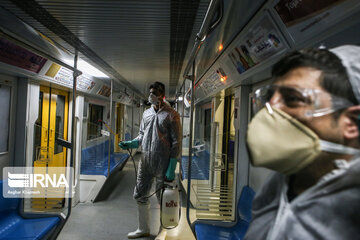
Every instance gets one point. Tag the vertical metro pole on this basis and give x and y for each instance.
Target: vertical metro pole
(193, 79)
(110, 124)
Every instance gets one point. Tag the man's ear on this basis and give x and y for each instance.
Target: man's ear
(351, 128)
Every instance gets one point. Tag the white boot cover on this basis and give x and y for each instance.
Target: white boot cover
(143, 229)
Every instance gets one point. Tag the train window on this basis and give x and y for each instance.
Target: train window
(59, 122)
(5, 95)
(207, 125)
(94, 125)
(85, 112)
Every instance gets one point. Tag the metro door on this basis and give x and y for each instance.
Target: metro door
(51, 124)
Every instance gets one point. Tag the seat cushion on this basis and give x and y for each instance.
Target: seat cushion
(115, 160)
(245, 203)
(7, 203)
(13, 226)
(207, 231)
(94, 159)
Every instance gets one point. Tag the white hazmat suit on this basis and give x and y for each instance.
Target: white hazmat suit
(160, 139)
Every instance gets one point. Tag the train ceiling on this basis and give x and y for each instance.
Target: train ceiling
(135, 42)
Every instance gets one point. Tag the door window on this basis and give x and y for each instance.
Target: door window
(94, 125)
(59, 122)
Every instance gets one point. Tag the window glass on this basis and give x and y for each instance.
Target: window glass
(85, 113)
(94, 125)
(207, 125)
(59, 122)
(5, 94)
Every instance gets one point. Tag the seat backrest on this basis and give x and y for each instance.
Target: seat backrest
(7, 204)
(245, 203)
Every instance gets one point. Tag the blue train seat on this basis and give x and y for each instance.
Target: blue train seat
(199, 166)
(94, 159)
(15, 227)
(236, 232)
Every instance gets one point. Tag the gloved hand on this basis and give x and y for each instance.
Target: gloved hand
(129, 144)
(170, 172)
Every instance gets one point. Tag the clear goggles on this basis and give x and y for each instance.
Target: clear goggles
(310, 102)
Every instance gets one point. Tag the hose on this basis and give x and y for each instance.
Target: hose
(130, 153)
(146, 197)
(168, 228)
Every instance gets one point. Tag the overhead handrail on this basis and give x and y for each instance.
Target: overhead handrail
(207, 27)
(218, 20)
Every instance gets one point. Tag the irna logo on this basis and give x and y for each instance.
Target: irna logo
(36, 180)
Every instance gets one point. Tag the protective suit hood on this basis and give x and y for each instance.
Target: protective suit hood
(350, 58)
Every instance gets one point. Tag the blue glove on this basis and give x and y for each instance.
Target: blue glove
(170, 172)
(129, 144)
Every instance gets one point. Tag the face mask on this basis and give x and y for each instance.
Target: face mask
(153, 99)
(280, 142)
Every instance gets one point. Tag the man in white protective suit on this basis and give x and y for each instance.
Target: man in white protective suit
(307, 130)
(160, 138)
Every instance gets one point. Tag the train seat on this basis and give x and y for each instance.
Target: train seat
(208, 231)
(94, 159)
(13, 226)
(199, 166)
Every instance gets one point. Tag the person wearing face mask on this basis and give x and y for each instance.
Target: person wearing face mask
(160, 137)
(307, 130)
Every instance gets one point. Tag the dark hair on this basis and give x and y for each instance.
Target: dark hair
(158, 86)
(334, 78)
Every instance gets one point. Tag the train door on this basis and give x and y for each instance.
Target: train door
(213, 160)
(222, 153)
(51, 124)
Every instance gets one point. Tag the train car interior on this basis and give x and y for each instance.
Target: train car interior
(74, 84)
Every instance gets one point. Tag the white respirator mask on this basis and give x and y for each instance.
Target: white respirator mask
(153, 99)
(280, 142)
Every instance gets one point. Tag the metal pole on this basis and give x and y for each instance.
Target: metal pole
(110, 123)
(73, 141)
(183, 107)
(182, 119)
(132, 118)
(73, 122)
(190, 145)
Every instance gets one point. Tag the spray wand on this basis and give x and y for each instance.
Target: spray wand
(130, 153)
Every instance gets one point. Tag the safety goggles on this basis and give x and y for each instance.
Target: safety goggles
(310, 102)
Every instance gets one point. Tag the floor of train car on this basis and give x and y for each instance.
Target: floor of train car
(115, 214)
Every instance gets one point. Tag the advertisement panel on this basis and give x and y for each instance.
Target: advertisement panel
(306, 18)
(20, 57)
(261, 41)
